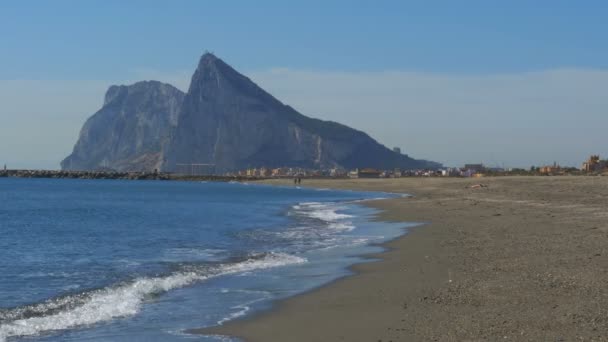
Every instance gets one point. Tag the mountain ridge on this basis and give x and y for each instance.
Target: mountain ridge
(225, 119)
(129, 131)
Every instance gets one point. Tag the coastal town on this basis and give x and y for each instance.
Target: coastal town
(594, 166)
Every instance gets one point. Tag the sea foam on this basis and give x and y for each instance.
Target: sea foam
(118, 301)
(327, 212)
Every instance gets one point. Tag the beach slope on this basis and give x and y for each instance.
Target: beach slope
(522, 258)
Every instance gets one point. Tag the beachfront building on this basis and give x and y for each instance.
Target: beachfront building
(264, 172)
(591, 163)
(253, 172)
(550, 170)
(280, 172)
(365, 173)
(337, 172)
(595, 164)
(449, 172)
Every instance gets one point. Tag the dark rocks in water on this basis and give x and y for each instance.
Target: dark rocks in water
(128, 133)
(85, 174)
(225, 120)
(116, 175)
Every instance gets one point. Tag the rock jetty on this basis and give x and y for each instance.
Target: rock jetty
(117, 175)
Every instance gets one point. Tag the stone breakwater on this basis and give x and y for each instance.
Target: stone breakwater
(116, 175)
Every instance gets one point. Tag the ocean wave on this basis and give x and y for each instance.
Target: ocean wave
(121, 300)
(327, 212)
(242, 309)
(317, 225)
(342, 226)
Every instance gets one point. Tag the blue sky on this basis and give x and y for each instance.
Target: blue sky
(90, 39)
(397, 59)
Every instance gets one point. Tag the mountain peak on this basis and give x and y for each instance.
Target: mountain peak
(208, 56)
(117, 92)
(210, 63)
(214, 78)
(208, 59)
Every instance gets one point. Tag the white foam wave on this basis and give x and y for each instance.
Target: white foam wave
(313, 204)
(342, 226)
(327, 212)
(125, 300)
(242, 309)
(320, 224)
(328, 215)
(352, 242)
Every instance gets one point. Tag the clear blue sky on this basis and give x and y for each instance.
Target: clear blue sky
(111, 41)
(90, 39)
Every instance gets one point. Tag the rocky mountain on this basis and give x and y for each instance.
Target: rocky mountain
(225, 120)
(129, 132)
(228, 121)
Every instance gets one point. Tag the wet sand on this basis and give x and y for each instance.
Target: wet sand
(525, 258)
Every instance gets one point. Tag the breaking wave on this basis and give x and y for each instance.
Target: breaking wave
(316, 226)
(120, 300)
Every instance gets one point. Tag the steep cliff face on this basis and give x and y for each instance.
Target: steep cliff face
(228, 121)
(129, 132)
(225, 120)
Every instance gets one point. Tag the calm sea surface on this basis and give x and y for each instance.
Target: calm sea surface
(103, 260)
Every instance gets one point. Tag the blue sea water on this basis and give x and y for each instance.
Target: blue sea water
(105, 260)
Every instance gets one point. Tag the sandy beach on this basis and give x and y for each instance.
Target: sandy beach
(525, 258)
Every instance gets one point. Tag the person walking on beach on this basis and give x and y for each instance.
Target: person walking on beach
(295, 181)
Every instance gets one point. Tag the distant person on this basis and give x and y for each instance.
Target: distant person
(295, 181)
(299, 180)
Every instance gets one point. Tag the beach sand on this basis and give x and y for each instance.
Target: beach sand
(525, 258)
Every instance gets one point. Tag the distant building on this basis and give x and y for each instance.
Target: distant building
(594, 164)
(397, 150)
(477, 168)
(449, 172)
(467, 173)
(336, 172)
(366, 173)
(550, 170)
(264, 172)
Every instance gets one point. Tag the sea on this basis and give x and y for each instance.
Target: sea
(111, 260)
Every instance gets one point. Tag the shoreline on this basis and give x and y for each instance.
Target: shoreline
(492, 263)
(231, 328)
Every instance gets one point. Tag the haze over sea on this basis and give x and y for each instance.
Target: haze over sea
(101, 260)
